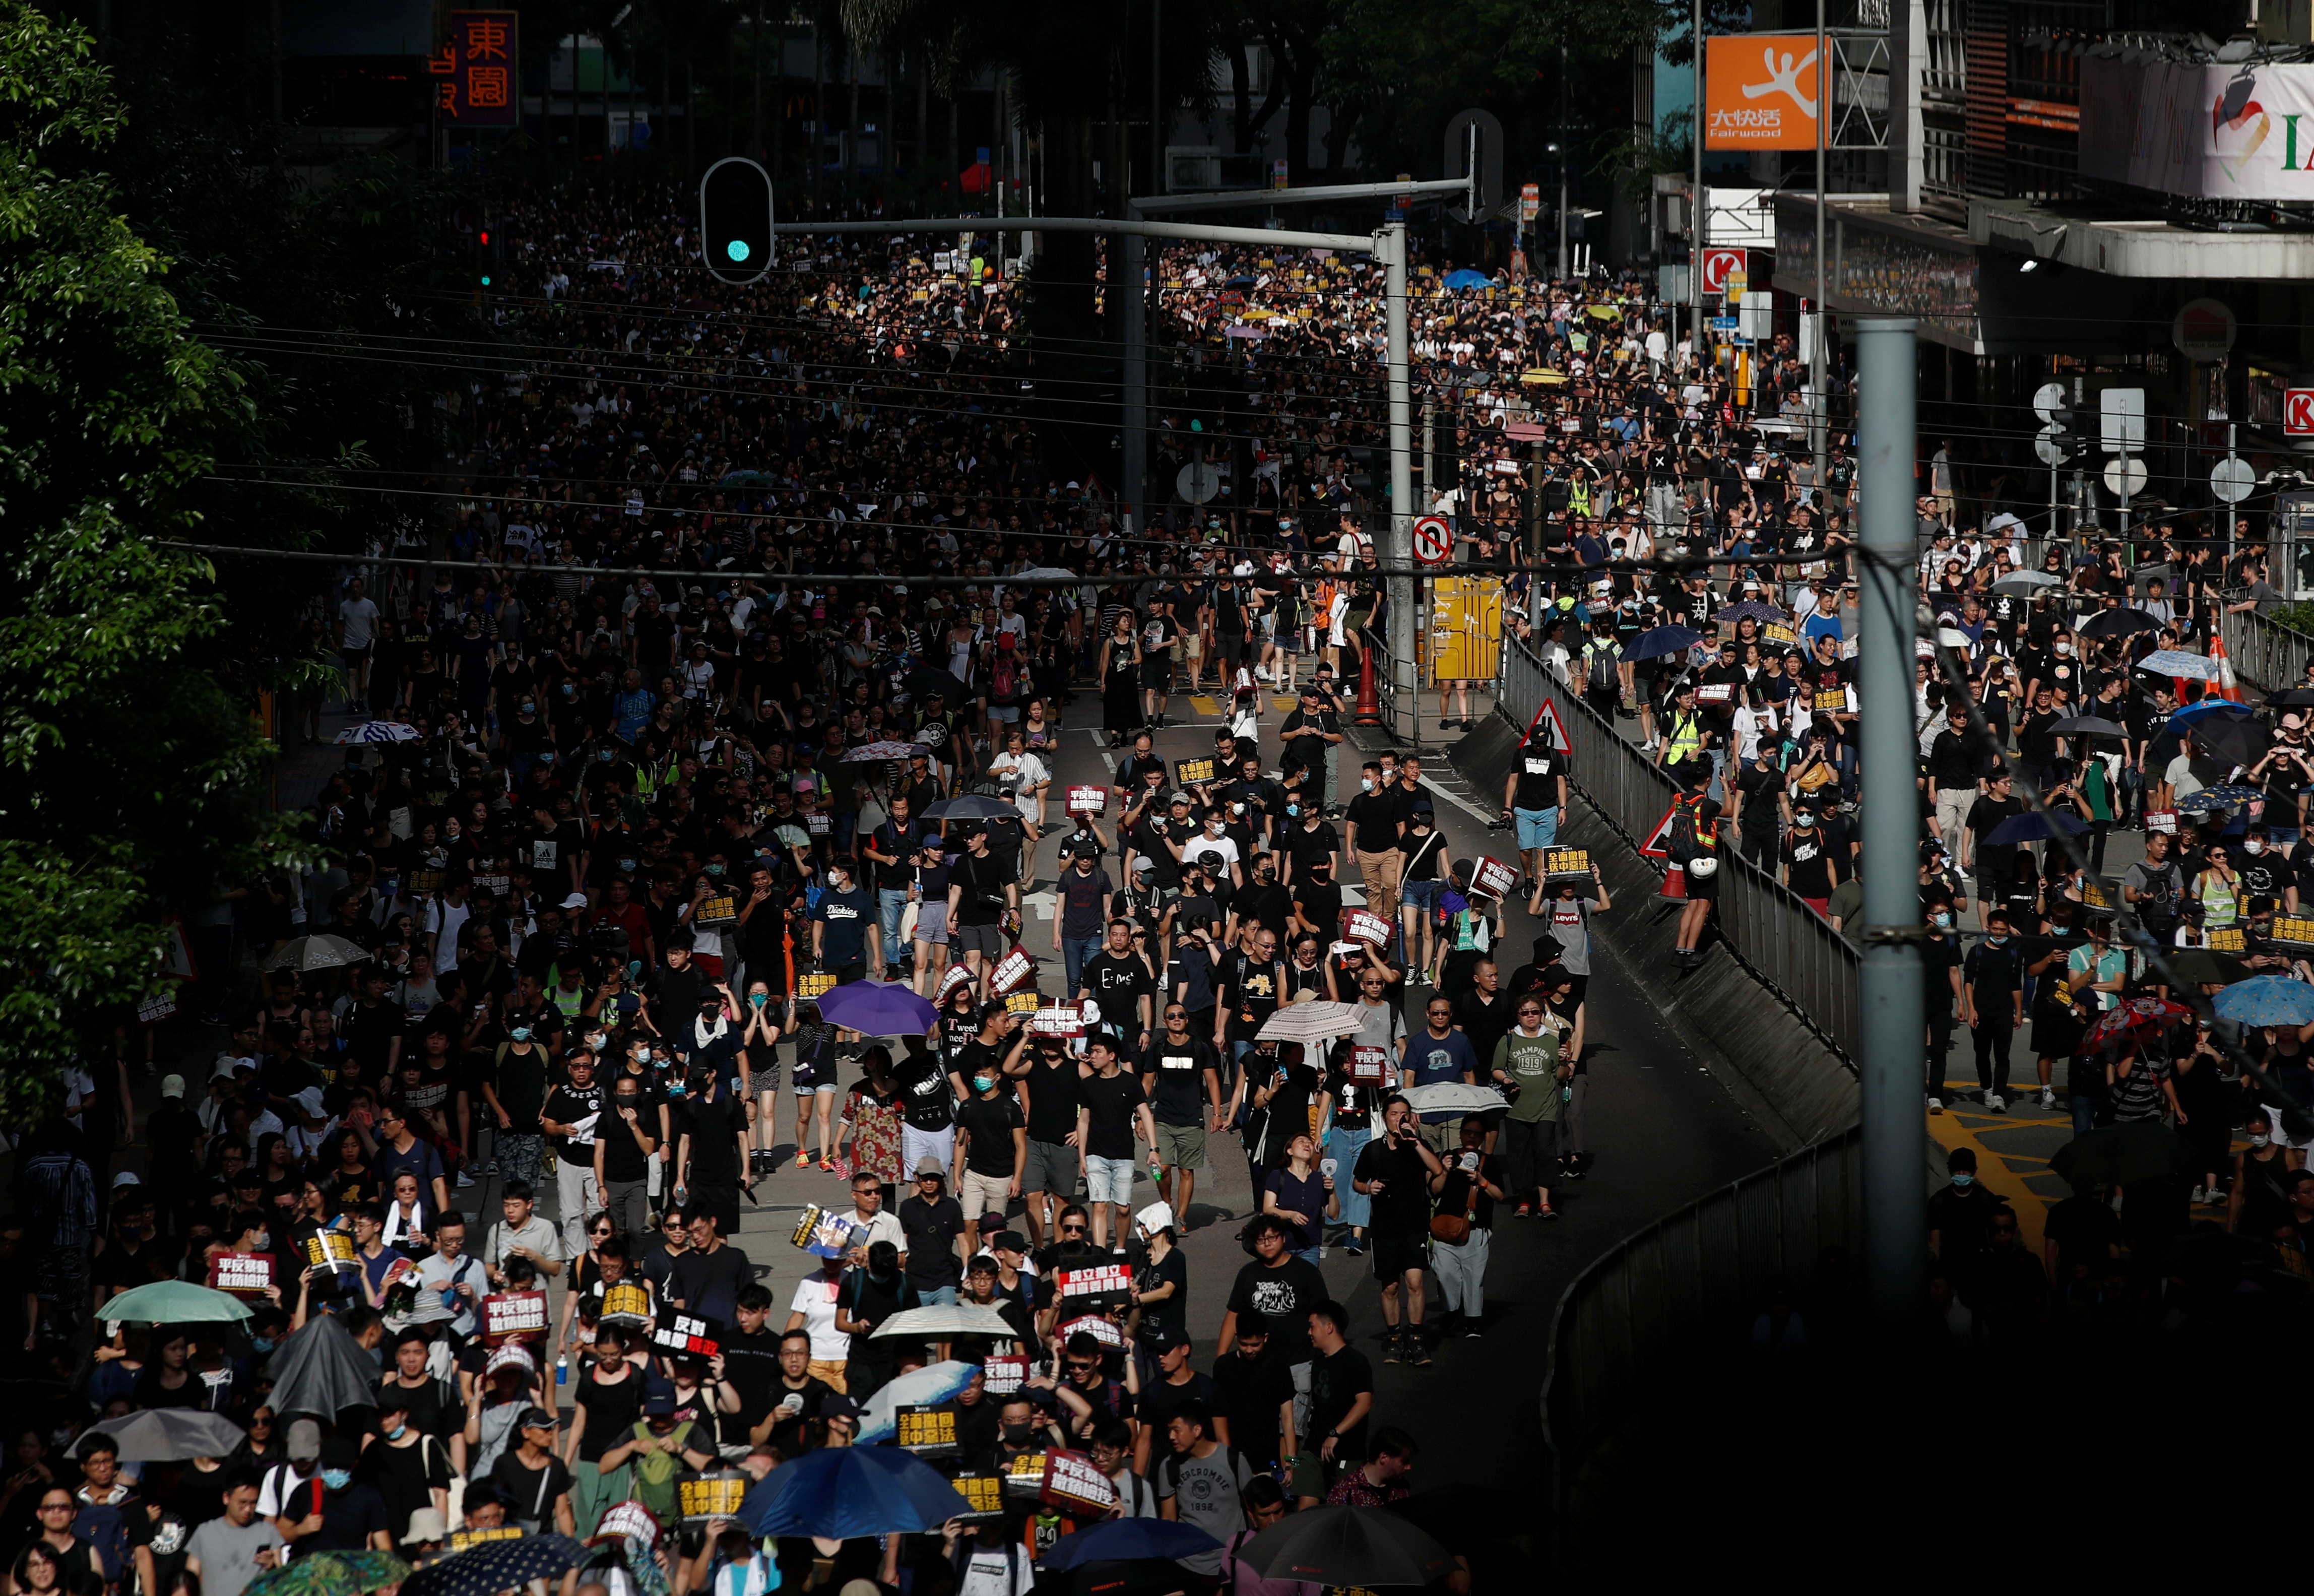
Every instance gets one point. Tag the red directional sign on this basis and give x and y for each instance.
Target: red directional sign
(1434, 540)
(1719, 266)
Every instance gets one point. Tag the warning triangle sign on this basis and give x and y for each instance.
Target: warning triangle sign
(1553, 728)
(177, 954)
(1658, 842)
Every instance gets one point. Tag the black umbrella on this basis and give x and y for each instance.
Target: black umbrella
(927, 680)
(2090, 725)
(1345, 1545)
(972, 805)
(2121, 1155)
(497, 1565)
(2203, 964)
(2118, 623)
(2291, 698)
(323, 1370)
(2237, 742)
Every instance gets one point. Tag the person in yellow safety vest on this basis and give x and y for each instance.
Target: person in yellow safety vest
(1695, 848)
(1684, 733)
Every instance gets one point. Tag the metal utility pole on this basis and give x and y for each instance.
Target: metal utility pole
(1429, 435)
(1895, 1189)
(1392, 242)
(1819, 419)
(1562, 159)
(1695, 230)
(1126, 294)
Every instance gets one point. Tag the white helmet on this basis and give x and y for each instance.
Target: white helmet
(1704, 868)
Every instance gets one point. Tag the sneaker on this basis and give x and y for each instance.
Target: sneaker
(1546, 1212)
(1936, 1105)
(1473, 1331)
(1445, 726)
(1572, 1169)
(465, 1178)
(1417, 1353)
(803, 1159)
(1393, 1349)
(2200, 1196)
(1356, 1247)
(1526, 1211)
(1996, 1103)
(491, 1167)
(2048, 1097)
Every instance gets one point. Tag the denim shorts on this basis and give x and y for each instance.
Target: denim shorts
(1108, 1180)
(1537, 828)
(1420, 894)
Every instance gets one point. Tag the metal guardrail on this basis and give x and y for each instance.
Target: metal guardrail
(1770, 928)
(2264, 653)
(1700, 1265)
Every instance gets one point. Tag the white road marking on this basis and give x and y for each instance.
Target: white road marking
(1100, 738)
(1460, 802)
(1110, 760)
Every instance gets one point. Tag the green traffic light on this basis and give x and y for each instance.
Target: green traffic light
(737, 249)
(486, 282)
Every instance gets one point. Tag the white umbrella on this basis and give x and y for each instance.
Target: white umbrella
(945, 1320)
(936, 1382)
(2177, 662)
(167, 1435)
(319, 951)
(1451, 1100)
(2023, 584)
(1037, 571)
(886, 749)
(1312, 1022)
(379, 731)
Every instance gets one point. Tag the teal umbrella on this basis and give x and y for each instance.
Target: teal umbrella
(173, 1302)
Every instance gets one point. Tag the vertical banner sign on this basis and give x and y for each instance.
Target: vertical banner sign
(477, 84)
(1760, 91)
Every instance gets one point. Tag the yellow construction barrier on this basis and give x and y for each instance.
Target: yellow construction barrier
(1466, 628)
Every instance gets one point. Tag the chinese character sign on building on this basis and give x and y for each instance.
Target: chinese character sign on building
(476, 84)
(1760, 91)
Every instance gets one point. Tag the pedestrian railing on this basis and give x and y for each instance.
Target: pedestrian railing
(2265, 654)
(1770, 928)
(1699, 1268)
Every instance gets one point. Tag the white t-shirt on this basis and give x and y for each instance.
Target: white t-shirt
(815, 1297)
(1005, 1570)
(360, 618)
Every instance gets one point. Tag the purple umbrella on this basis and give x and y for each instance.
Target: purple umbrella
(878, 1008)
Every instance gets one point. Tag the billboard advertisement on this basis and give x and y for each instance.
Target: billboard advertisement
(2211, 132)
(1760, 91)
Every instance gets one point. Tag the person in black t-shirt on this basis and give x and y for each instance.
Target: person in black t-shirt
(1120, 979)
(1180, 1074)
(1393, 1173)
(1253, 1394)
(993, 1152)
(931, 1221)
(709, 1154)
(929, 1088)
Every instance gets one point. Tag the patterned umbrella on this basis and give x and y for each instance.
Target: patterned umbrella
(2136, 1017)
(868, 752)
(497, 1565)
(330, 1573)
(377, 731)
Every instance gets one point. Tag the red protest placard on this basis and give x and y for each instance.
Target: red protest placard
(1015, 970)
(1104, 1331)
(1064, 1019)
(243, 1273)
(1367, 927)
(1093, 1281)
(1369, 1065)
(1088, 800)
(1003, 1376)
(1493, 878)
(513, 1316)
(1074, 1483)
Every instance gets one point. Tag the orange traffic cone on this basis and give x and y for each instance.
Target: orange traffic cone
(1674, 886)
(2225, 686)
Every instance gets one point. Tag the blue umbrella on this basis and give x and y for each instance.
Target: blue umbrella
(497, 1565)
(1465, 278)
(2267, 1000)
(844, 1492)
(1129, 1541)
(2192, 712)
(2034, 827)
(878, 1008)
(2216, 797)
(1663, 639)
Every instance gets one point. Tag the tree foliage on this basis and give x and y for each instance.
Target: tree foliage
(126, 767)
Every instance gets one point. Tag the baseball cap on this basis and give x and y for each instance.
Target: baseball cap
(539, 1418)
(577, 900)
(172, 1086)
(1009, 1241)
(658, 1399)
(305, 1440)
(126, 1177)
(928, 1165)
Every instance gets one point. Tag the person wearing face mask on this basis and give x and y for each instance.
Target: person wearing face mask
(353, 1515)
(570, 1117)
(1993, 990)
(629, 1136)
(1809, 867)
(2259, 1201)
(408, 1468)
(1941, 983)
(1960, 1213)
(991, 1142)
